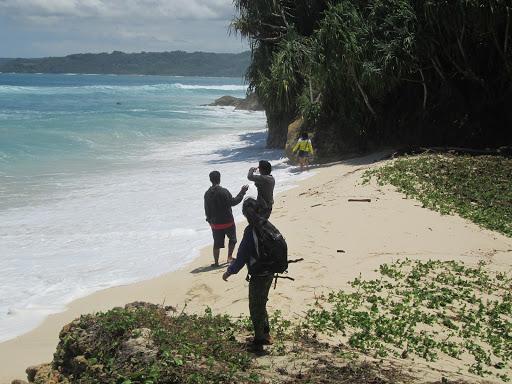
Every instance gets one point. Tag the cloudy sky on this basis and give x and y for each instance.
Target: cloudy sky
(36, 28)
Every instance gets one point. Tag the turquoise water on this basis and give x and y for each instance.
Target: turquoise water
(61, 124)
(102, 181)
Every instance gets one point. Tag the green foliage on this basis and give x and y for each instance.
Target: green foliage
(384, 71)
(278, 33)
(476, 188)
(175, 348)
(285, 80)
(427, 309)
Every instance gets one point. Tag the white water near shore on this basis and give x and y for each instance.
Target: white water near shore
(117, 213)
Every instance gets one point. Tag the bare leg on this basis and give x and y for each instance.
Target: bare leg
(216, 252)
(301, 163)
(231, 248)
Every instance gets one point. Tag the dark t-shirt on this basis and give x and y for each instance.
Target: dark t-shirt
(217, 205)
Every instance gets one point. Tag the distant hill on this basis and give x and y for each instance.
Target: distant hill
(178, 63)
(3, 61)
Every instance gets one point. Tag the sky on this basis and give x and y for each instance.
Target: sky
(39, 28)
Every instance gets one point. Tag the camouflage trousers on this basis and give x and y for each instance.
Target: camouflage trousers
(259, 287)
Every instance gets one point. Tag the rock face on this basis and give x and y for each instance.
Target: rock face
(140, 346)
(250, 103)
(294, 130)
(44, 374)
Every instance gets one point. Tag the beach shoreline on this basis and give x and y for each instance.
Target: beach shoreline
(338, 239)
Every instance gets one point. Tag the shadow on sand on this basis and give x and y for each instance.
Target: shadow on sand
(209, 268)
(253, 151)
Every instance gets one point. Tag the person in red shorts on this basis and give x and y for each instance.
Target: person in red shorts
(217, 207)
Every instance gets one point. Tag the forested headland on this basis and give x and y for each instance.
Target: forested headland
(177, 63)
(366, 74)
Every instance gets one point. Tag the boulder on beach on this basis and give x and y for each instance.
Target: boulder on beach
(250, 103)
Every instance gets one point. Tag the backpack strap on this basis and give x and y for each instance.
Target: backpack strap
(276, 276)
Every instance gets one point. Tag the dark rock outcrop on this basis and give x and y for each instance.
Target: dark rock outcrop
(250, 103)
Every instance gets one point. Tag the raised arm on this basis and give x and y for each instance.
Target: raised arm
(251, 176)
(238, 198)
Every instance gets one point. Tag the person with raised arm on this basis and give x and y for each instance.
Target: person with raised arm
(217, 206)
(265, 184)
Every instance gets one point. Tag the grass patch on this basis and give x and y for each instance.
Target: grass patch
(478, 188)
(427, 309)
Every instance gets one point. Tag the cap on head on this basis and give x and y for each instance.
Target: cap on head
(215, 177)
(265, 167)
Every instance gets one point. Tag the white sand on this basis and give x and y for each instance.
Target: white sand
(317, 221)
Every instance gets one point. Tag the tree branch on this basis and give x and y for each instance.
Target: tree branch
(505, 43)
(424, 90)
(438, 70)
(280, 27)
(363, 93)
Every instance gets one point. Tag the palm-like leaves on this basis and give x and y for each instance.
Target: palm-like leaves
(346, 59)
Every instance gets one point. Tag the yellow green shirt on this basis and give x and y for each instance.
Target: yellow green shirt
(303, 145)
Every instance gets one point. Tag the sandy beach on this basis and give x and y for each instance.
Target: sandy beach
(337, 238)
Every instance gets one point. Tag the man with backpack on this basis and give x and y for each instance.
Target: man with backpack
(264, 183)
(217, 206)
(264, 251)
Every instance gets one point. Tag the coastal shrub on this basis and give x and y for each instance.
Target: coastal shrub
(146, 343)
(478, 188)
(428, 309)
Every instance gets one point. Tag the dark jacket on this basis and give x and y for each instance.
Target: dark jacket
(247, 254)
(265, 186)
(217, 205)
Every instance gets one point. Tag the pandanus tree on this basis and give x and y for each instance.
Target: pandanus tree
(361, 51)
(276, 30)
(373, 72)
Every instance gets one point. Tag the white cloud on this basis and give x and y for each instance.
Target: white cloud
(118, 9)
(58, 27)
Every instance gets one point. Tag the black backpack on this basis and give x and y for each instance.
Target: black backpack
(272, 255)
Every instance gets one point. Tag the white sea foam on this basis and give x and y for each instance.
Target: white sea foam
(75, 227)
(116, 88)
(100, 231)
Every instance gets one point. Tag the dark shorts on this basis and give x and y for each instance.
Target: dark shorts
(303, 154)
(219, 235)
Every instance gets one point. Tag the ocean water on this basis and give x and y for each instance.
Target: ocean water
(102, 181)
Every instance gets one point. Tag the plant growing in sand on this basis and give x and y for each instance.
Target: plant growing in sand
(428, 310)
(478, 188)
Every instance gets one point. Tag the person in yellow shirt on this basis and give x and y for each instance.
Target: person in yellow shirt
(304, 150)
